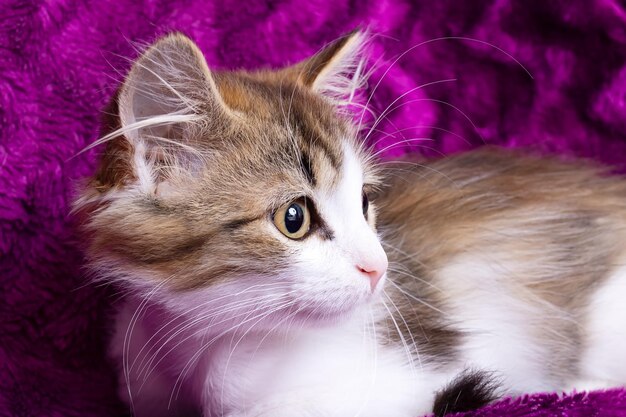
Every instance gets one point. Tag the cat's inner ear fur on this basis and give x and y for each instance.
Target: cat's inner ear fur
(166, 102)
(337, 72)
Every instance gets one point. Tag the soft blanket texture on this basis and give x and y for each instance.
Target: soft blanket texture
(60, 61)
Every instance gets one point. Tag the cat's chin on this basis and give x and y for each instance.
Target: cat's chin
(321, 318)
(332, 315)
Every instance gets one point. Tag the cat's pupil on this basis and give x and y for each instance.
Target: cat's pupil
(365, 203)
(294, 217)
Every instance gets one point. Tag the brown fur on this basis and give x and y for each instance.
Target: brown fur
(265, 138)
(563, 223)
(217, 227)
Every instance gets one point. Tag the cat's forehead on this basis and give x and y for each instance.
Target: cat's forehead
(286, 129)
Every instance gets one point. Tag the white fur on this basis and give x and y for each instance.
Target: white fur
(331, 371)
(353, 238)
(250, 347)
(498, 323)
(304, 343)
(604, 359)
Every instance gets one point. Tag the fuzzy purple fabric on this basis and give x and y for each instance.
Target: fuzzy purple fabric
(60, 61)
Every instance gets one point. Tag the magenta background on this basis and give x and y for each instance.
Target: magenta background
(60, 61)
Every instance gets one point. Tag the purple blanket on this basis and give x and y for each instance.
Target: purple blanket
(60, 61)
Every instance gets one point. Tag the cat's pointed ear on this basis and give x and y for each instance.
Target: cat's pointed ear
(337, 71)
(170, 81)
(166, 101)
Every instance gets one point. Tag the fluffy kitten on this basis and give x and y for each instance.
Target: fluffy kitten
(233, 208)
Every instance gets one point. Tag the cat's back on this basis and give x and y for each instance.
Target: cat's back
(485, 182)
(499, 248)
(534, 208)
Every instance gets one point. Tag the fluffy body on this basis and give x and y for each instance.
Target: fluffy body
(506, 264)
(478, 304)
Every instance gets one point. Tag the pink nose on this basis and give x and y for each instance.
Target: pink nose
(373, 272)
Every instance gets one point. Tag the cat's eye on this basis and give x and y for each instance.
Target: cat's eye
(293, 219)
(365, 203)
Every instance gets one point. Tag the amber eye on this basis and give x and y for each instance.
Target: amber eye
(365, 203)
(293, 219)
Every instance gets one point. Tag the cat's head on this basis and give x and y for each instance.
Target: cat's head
(238, 192)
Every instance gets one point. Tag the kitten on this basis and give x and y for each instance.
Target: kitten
(234, 209)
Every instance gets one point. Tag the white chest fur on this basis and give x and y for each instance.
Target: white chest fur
(338, 371)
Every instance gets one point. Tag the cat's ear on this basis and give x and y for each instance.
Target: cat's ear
(337, 71)
(166, 101)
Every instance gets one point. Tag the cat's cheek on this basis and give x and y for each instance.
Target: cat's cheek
(331, 292)
(326, 282)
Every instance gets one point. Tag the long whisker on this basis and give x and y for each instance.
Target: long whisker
(390, 107)
(424, 167)
(402, 142)
(189, 325)
(408, 274)
(196, 307)
(419, 300)
(385, 135)
(407, 349)
(128, 336)
(194, 358)
(267, 334)
(461, 112)
(443, 38)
